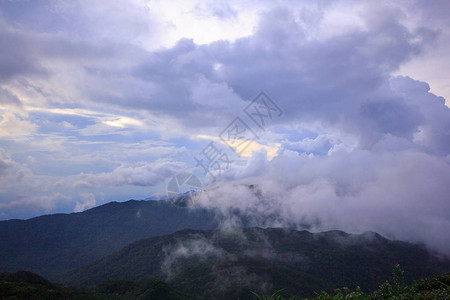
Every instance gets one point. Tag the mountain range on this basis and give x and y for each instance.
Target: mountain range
(229, 264)
(51, 244)
(126, 245)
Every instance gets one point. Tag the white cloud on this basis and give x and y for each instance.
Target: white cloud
(143, 174)
(36, 202)
(87, 201)
(12, 126)
(402, 194)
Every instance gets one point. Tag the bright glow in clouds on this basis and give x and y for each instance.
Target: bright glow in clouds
(252, 147)
(204, 21)
(123, 122)
(103, 102)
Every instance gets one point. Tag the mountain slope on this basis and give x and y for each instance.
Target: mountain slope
(27, 285)
(230, 264)
(56, 243)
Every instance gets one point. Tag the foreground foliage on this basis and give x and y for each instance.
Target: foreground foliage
(437, 287)
(27, 285)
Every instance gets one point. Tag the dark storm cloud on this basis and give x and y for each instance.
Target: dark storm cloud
(342, 81)
(16, 57)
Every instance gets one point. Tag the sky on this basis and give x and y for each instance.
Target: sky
(335, 110)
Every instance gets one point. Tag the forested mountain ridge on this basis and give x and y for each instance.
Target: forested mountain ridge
(226, 264)
(51, 244)
(144, 241)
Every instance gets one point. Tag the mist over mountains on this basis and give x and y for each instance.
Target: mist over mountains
(228, 264)
(202, 252)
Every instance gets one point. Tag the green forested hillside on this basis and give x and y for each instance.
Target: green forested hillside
(92, 249)
(52, 244)
(27, 285)
(230, 264)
